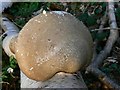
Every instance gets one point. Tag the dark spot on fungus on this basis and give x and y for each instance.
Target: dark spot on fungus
(49, 40)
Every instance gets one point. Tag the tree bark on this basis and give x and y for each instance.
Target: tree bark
(60, 80)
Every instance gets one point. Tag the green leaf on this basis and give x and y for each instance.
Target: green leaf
(98, 11)
(4, 77)
(106, 70)
(103, 5)
(91, 21)
(93, 3)
(118, 13)
(0, 79)
(114, 66)
(102, 36)
(20, 21)
(13, 62)
(25, 9)
(73, 6)
(94, 35)
(98, 49)
(83, 17)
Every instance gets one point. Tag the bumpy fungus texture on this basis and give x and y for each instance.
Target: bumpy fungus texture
(53, 42)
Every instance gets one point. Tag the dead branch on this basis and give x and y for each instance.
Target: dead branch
(103, 29)
(104, 19)
(94, 66)
(104, 78)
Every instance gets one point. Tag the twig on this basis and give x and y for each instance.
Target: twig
(94, 66)
(19, 26)
(12, 75)
(108, 28)
(104, 19)
(5, 82)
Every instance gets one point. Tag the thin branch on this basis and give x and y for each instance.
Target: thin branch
(5, 82)
(104, 19)
(108, 28)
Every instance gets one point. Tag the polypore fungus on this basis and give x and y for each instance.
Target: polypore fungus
(53, 42)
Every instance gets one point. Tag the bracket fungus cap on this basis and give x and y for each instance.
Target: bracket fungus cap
(53, 42)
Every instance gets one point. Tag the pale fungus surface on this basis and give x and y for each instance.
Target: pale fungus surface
(53, 42)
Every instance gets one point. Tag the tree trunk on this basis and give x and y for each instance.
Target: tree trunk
(60, 80)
